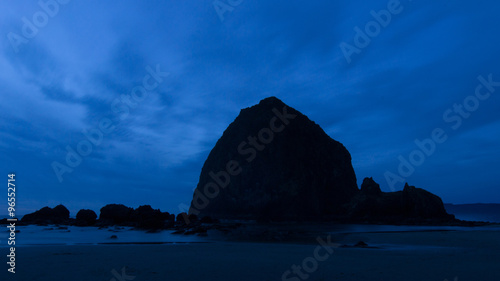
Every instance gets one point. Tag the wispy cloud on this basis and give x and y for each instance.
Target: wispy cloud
(65, 79)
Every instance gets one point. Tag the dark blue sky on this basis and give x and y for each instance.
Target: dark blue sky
(69, 67)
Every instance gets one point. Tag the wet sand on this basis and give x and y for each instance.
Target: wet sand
(427, 255)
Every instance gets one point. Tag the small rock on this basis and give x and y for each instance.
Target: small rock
(361, 244)
(86, 217)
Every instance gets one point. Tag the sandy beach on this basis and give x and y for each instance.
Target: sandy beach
(428, 255)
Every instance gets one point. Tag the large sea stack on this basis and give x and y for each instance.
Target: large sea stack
(274, 163)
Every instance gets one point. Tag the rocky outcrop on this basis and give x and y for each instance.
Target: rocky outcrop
(85, 217)
(47, 215)
(273, 163)
(370, 188)
(144, 217)
(115, 214)
(184, 218)
(148, 218)
(419, 203)
(411, 205)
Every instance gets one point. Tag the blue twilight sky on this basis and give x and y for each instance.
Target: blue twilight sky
(69, 66)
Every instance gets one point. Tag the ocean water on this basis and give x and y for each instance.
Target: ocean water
(475, 212)
(363, 228)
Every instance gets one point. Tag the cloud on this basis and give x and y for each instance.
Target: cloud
(66, 78)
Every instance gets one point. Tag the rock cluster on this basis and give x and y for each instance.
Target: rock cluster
(411, 205)
(143, 217)
(273, 163)
(46, 215)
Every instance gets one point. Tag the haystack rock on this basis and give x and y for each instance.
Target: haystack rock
(274, 163)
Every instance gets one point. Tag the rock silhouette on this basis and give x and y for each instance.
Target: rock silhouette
(86, 217)
(144, 217)
(273, 163)
(148, 218)
(411, 205)
(46, 215)
(115, 214)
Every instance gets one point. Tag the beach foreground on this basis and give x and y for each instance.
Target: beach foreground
(429, 255)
